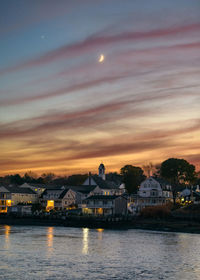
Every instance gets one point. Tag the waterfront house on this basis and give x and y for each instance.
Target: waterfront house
(60, 198)
(37, 188)
(11, 196)
(190, 195)
(153, 191)
(105, 205)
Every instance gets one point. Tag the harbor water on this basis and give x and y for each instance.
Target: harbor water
(28, 252)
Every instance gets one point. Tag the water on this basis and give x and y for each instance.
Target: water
(71, 253)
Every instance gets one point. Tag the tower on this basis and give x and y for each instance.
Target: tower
(102, 171)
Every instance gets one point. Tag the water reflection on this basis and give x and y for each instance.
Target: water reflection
(50, 238)
(85, 241)
(7, 236)
(93, 254)
(100, 233)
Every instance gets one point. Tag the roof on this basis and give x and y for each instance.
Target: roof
(3, 189)
(105, 197)
(51, 190)
(63, 193)
(43, 186)
(186, 192)
(85, 189)
(104, 184)
(20, 190)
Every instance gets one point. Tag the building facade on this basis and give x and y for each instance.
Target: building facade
(12, 196)
(153, 191)
(104, 205)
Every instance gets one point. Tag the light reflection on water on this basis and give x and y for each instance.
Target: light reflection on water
(7, 236)
(50, 238)
(85, 241)
(71, 253)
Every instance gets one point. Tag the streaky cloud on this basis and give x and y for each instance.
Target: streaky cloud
(95, 41)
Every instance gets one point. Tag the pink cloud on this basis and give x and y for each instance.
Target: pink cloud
(94, 41)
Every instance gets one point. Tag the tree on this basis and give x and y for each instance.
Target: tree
(149, 169)
(16, 179)
(48, 177)
(132, 177)
(177, 172)
(30, 177)
(76, 179)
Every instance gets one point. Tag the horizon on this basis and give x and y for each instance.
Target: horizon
(84, 83)
(93, 171)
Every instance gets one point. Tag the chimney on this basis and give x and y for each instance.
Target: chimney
(89, 178)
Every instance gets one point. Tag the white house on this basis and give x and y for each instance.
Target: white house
(153, 191)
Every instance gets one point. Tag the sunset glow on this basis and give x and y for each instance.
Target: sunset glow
(61, 111)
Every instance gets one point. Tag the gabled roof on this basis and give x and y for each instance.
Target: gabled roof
(43, 186)
(104, 184)
(26, 185)
(20, 190)
(102, 197)
(85, 189)
(3, 189)
(63, 193)
(50, 190)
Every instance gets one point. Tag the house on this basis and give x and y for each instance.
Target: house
(50, 198)
(104, 186)
(190, 195)
(83, 190)
(37, 188)
(60, 198)
(153, 191)
(105, 205)
(11, 196)
(5, 199)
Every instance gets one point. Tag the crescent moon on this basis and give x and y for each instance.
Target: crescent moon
(101, 58)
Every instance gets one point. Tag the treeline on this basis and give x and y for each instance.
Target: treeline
(51, 179)
(46, 178)
(178, 172)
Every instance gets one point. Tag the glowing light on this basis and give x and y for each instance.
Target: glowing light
(7, 235)
(50, 205)
(100, 211)
(100, 233)
(100, 229)
(85, 241)
(9, 202)
(50, 238)
(101, 58)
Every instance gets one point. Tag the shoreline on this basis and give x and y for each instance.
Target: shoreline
(168, 225)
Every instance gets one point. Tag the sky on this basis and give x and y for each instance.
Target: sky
(63, 111)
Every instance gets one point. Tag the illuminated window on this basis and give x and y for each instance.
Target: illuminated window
(8, 202)
(50, 204)
(100, 211)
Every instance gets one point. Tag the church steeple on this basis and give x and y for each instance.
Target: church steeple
(102, 171)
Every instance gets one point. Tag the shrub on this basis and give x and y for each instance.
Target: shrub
(158, 211)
